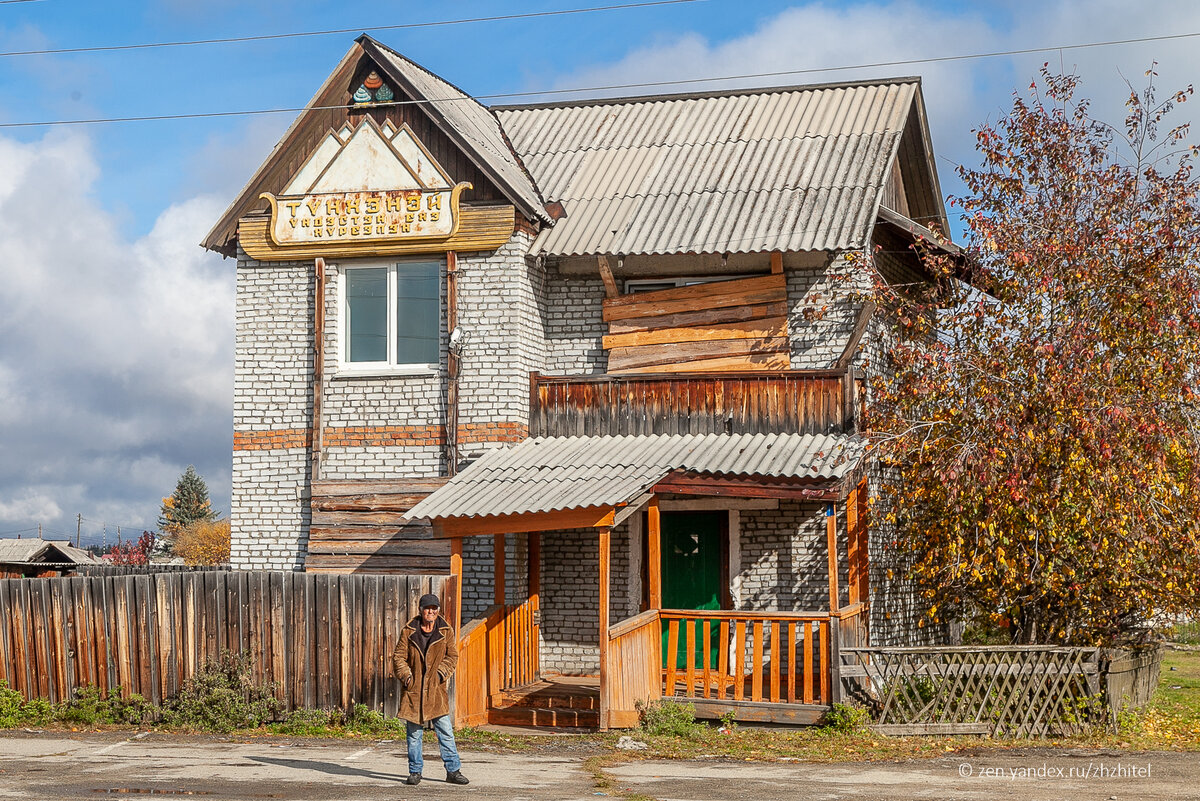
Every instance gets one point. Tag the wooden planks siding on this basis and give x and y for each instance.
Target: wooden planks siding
(737, 403)
(358, 527)
(326, 640)
(723, 325)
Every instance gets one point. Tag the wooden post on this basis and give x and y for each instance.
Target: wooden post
(605, 537)
(452, 364)
(835, 661)
(654, 553)
(456, 569)
(318, 364)
(535, 599)
(852, 555)
(606, 275)
(777, 263)
(498, 569)
(831, 537)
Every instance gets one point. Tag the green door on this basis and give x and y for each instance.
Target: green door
(691, 575)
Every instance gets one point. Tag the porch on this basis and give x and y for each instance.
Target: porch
(724, 652)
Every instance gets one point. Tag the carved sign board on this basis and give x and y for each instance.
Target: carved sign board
(400, 215)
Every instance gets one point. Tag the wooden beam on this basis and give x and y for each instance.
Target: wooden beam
(777, 263)
(738, 292)
(755, 712)
(631, 509)
(452, 365)
(755, 362)
(498, 570)
(456, 569)
(704, 332)
(717, 504)
(605, 541)
(606, 275)
(749, 487)
(654, 553)
(831, 540)
(318, 378)
(592, 517)
(852, 547)
(860, 328)
(535, 599)
(665, 357)
(725, 314)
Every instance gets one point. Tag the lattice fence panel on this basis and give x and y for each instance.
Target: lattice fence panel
(1016, 691)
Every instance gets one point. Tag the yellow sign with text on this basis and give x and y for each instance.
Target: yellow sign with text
(399, 215)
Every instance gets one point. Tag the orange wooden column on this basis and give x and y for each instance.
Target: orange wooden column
(456, 570)
(852, 555)
(498, 569)
(654, 553)
(605, 540)
(831, 537)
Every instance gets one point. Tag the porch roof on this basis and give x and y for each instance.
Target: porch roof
(555, 474)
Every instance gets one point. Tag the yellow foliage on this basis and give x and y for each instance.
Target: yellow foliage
(205, 542)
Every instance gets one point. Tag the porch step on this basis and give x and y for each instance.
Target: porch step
(557, 718)
(551, 697)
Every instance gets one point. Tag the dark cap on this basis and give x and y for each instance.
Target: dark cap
(428, 600)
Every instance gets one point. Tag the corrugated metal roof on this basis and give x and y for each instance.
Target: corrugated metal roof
(32, 551)
(476, 124)
(778, 169)
(559, 473)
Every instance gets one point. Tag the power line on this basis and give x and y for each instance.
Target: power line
(333, 31)
(10, 2)
(604, 88)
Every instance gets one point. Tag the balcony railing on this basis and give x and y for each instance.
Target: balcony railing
(789, 401)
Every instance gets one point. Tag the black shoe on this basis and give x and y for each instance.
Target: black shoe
(456, 777)
(413, 778)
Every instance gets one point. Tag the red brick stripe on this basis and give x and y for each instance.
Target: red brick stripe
(378, 436)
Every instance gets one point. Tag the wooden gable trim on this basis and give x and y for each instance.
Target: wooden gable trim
(332, 93)
(373, 49)
(918, 170)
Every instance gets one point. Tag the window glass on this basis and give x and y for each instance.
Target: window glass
(418, 307)
(366, 315)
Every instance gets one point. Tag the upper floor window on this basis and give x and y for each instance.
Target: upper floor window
(391, 316)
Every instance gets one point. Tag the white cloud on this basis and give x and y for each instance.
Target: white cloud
(117, 357)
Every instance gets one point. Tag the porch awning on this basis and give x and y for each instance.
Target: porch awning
(560, 474)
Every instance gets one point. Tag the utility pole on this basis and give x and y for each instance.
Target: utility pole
(39, 531)
(78, 526)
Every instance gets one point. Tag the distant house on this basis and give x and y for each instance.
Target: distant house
(593, 358)
(41, 558)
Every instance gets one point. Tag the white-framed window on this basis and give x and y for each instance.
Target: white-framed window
(391, 317)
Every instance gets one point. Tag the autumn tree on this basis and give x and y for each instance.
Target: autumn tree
(187, 505)
(133, 553)
(1039, 417)
(204, 542)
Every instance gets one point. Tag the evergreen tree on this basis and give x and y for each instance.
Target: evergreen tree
(188, 504)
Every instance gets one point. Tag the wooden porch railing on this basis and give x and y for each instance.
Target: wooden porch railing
(776, 657)
(634, 669)
(782, 401)
(512, 647)
(471, 677)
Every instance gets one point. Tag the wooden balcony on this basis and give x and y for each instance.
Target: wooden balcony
(780, 401)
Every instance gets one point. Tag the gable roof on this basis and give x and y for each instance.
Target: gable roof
(795, 168)
(472, 127)
(564, 473)
(31, 551)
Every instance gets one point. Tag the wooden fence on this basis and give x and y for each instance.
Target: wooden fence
(1017, 691)
(326, 640)
(138, 570)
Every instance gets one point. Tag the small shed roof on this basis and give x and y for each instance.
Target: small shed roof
(30, 551)
(564, 473)
(787, 169)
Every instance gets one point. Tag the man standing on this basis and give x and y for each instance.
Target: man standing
(424, 661)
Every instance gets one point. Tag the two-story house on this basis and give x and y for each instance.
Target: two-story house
(593, 359)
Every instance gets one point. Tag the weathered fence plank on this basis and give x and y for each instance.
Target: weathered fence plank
(325, 640)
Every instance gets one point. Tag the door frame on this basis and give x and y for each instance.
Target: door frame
(730, 529)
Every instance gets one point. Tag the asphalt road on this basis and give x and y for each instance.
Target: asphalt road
(73, 766)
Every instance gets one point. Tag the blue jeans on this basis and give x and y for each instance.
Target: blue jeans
(445, 735)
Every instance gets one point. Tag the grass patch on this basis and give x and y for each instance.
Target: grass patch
(1185, 633)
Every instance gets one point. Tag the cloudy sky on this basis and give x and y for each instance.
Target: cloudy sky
(116, 330)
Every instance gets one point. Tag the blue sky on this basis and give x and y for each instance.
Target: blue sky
(116, 348)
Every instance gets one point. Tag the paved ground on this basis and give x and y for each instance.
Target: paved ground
(58, 766)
